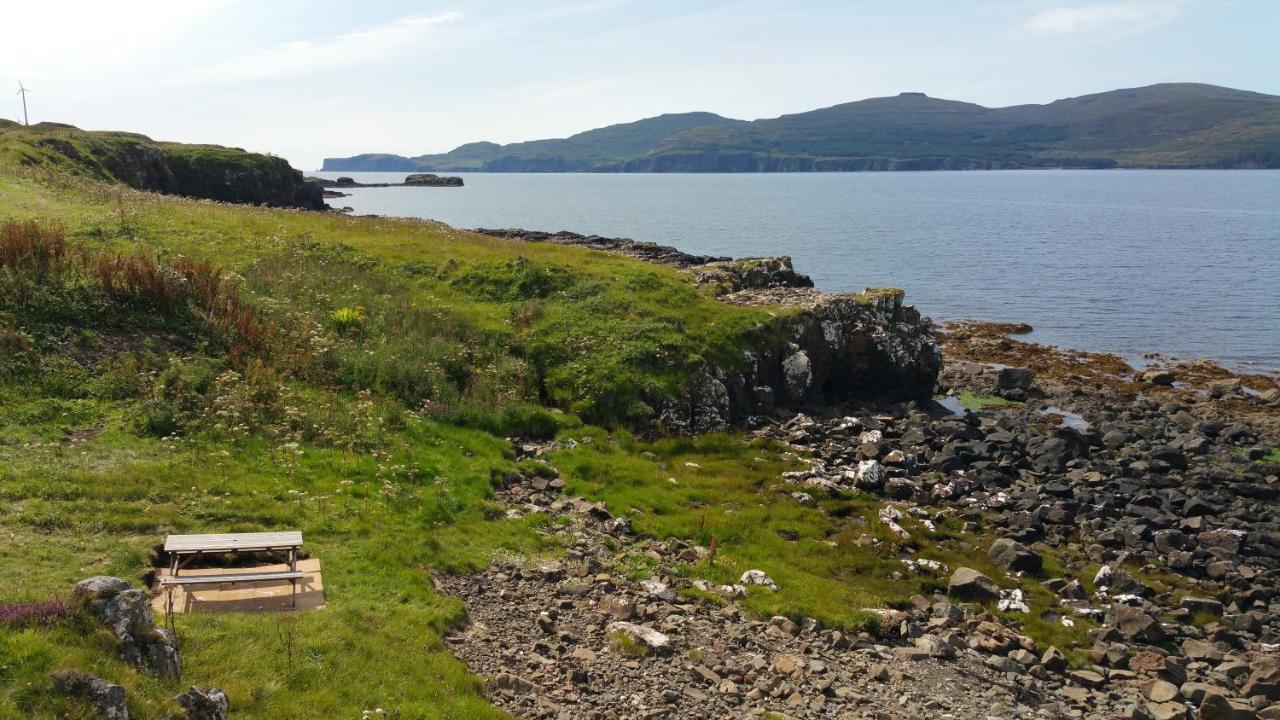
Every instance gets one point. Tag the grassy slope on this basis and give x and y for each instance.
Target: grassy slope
(101, 154)
(383, 490)
(205, 171)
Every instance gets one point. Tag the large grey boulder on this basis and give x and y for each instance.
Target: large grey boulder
(1015, 557)
(201, 704)
(1136, 625)
(1012, 378)
(108, 699)
(970, 584)
(125, 610)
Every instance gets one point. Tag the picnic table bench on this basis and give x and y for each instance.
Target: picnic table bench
(183, 549)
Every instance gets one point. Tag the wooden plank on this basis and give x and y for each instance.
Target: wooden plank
(227, 542)
(219, 579)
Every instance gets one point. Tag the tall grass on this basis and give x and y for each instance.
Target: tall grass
(39, 253)
(30, 247)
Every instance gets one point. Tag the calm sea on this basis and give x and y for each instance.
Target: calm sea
(1181, 262)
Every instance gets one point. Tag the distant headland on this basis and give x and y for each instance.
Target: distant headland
(1171, 125)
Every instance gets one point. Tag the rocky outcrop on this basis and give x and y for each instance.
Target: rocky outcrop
(126, 612)
(432, 180)
(107, 699)
(730, 276)
(210, 172)
(652, 252)
(820, 349)
(828, 348)
(228, 177)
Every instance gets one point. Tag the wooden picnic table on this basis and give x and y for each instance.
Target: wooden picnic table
(183, 549)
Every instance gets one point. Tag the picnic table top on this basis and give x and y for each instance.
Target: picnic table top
(227, 542)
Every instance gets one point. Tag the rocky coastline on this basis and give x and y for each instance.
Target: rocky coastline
(819, 349)
(1141, 503)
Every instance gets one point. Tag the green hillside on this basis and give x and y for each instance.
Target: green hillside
(1168, 125)
(591, 150)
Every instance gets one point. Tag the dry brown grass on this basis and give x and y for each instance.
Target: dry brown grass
(40, 252)
(31, 247)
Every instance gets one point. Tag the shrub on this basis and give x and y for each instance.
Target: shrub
(347, 319)
(120, 378)
(28, 614)
(515, 280)
(63, 377)
(178, 399)
(520, 420)
(18, 357)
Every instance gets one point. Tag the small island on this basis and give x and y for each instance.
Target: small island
(414, 180)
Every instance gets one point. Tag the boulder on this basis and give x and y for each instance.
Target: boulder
(648, 637)
(126, 612)
(1218, 707)
(108, 699)
(1167, 711)
(758, 577)
(1012, 378)
(1014, 556)
(970, 584)
(1053, 660)
(513, 684)
(1160, 691)
(201, 704)
(1136, 625)
(1265, 679)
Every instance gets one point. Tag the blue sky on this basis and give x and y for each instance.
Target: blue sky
(314, 78)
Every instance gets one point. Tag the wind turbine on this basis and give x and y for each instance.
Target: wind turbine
(23, 92)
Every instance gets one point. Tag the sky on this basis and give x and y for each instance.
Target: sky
(319, 78)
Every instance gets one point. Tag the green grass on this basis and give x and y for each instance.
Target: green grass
(604, 336)
(100, 507)
(371, 416)
(727, 487)
(372, 431)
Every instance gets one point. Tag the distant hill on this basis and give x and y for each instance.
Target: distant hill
(1170, 125)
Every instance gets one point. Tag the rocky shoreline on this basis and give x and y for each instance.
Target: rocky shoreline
(1140, 502)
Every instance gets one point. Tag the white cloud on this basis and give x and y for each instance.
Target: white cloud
(300, 57)
(1103, 17)
(47, 37)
